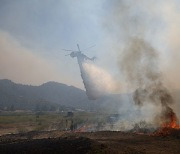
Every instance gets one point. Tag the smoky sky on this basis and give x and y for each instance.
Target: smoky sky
(41, 28)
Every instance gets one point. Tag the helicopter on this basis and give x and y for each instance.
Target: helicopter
(80, 56)
(82, 59)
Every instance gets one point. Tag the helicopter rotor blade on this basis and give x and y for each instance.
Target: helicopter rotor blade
(70, 50)
(89, 47)
(67, 50)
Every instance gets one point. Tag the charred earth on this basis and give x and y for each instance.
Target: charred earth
(90, 142)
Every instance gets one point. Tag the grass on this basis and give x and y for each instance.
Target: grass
(26, 121)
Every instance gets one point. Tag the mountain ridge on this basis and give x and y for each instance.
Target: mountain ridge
(53, 95)
(53, 92)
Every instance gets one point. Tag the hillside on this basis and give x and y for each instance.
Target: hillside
(53, 95)
(50, 94)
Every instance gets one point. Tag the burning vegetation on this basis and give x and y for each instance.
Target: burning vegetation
(170, 120)
(169, 125)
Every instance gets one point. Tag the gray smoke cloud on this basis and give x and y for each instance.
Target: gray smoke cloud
(132, 23)
(140, 65)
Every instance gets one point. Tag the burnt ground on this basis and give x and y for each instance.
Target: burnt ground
(90, 142)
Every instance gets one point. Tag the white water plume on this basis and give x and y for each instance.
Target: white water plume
(97, 81)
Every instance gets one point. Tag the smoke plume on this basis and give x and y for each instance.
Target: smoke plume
(140, 66)
(138, 58)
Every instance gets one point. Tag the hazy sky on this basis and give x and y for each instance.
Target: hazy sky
(32, 34)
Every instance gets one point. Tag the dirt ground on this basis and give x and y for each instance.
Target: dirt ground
(89, 142)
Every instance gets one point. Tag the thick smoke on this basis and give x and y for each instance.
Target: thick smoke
(132, 21)
(140, 65)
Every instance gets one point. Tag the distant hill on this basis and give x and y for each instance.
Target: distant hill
(48, 95)
(53, 95)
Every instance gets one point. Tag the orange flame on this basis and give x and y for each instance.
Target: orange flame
(166, 127)
(172, 122)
